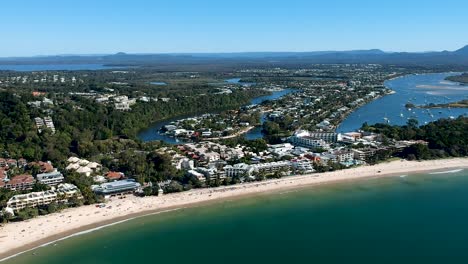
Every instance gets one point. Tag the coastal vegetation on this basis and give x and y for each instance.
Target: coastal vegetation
(459, 104)
(444, 137)
(463, 78)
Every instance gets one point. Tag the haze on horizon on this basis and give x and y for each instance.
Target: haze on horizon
(34, 28)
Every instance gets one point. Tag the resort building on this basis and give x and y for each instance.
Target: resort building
(19, 183)
(272, 167)
(306, 141)
(83, 166)
(238, 170)
(50, 178)
(117, 187)
(62, 193)
(344, 155)
(303, 166)
(329, 137)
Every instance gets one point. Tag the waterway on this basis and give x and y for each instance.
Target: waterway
(416, 89)
(154, 131)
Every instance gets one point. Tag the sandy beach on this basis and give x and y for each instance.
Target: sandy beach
(23, 236)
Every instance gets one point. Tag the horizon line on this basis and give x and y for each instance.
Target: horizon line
(207, 52)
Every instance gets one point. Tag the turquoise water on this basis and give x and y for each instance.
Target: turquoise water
(415, 219)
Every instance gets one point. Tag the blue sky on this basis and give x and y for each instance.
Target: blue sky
(31, 27)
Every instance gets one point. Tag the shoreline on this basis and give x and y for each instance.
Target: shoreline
(20, 237)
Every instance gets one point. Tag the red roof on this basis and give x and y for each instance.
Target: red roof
(113, 175)
(21, 179)
(45, 167)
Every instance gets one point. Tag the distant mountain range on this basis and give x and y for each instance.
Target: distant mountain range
(458, 57)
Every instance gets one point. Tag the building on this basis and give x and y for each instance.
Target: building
(238, 170)
(50, 178)
(63, 192)
(43, 166)
(83, 166)
(364, 154)
(245, 170)
(281, 149)
(272, 167)
(114, 176)
(117, 187)
(344, 155)
(329, 137)
(303, 140)
(45, 122)
(20, 183)
(197, 175)
(22, 163)
(303, 166)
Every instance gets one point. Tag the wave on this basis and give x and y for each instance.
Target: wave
(446, 172)
(87, 232)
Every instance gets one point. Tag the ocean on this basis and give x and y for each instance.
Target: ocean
(403, 219)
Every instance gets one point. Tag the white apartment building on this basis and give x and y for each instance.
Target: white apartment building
(51, 178)
(35, 199)
(238, 170)
(309, 142)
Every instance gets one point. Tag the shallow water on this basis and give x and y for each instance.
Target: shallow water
(416, 89)
(415, 219)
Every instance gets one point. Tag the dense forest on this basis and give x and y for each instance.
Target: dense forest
(83, 125)
(445, 137)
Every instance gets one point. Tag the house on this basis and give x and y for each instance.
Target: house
(114, 176)
(84, 170)
(22, 163)
(20, 183)
(44, 167)
(11, 163)
(83, 166)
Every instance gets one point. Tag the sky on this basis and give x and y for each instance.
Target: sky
(31, 27)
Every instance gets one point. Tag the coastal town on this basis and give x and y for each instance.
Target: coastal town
(291, 131)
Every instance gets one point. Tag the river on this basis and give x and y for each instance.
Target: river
(416, 89)
(154, 132)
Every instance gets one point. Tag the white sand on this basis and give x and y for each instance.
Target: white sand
(17, 237)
